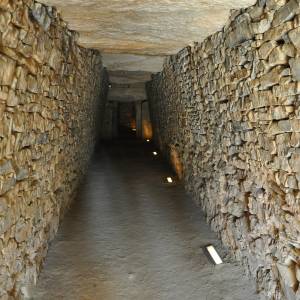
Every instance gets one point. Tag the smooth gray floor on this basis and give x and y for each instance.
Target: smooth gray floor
(131, 236)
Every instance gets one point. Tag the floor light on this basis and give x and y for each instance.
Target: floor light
(214, 254)
(169, 179)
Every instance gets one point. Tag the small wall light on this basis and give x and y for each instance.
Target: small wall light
(155, 153)
(147, 140)
(210, 249)
(133, 129)
(169, 179)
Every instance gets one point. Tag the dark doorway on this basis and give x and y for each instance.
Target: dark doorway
(127, 119)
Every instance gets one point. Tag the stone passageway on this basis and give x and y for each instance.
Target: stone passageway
(215, 85)
(131, 236)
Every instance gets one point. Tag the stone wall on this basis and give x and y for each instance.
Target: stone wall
(229, 108)
(50, 92)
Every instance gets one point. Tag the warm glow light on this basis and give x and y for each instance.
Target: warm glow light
(133, 129)
(214, 255)
(169, 179)
(148, 141)
(154, 153)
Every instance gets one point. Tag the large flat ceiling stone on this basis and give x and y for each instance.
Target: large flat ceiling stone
(143, 27)
(128, 77)
(131, 62)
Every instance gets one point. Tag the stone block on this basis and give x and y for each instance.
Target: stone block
(278, 57)
(266, 48)
(271, 78)
(295, 68)
(294, 37)
(261, 26)
(286, 12)
(288, 274)
(7, 70)
(13, 99)
(6, 167)
(7, 184)
(241, 33)
(277, 33)
(5, 19)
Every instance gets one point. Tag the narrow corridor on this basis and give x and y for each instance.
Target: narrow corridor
(131, 236)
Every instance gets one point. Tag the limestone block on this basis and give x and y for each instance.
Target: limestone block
(24, 50)
(255, 12)
(289, 50)
(266, 48)
(279, 113)
(7, 184)
(5, 19)
(40, 14)
(271, 78)
(295, 162)
(21, 174)
(20, 17)
(277, 33)
(242, 32)
(236, 209)
(3, 207)
(286, 12)
(291, 182)
(295, 68)
(278, 57)
(13, 99)
(10, 37)
(261, 26)
(7, 70)
(298, 272)
(6, 167)
(294, 37)
(275, 4)
(288, 274)
(32, 84)
(21, 74)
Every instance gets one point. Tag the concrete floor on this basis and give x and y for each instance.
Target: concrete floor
(131, 236)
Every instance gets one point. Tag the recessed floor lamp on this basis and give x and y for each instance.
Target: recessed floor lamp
(213, 255)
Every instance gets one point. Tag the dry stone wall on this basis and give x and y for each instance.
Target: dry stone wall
(50, 93)
(229, 108)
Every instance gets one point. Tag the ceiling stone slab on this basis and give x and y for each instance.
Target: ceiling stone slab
(127, 77)
(144, 27)
(127, 93)
(130, 62)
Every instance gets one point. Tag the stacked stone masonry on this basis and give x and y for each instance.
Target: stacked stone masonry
(51, 91)
(230, 108)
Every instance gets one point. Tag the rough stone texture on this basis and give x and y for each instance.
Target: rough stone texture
(147, 29)
(229, 109)
(50, 92)
(144, 27)
(137, 35)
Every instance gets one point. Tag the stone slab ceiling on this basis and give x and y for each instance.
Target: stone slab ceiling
(134, 35)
